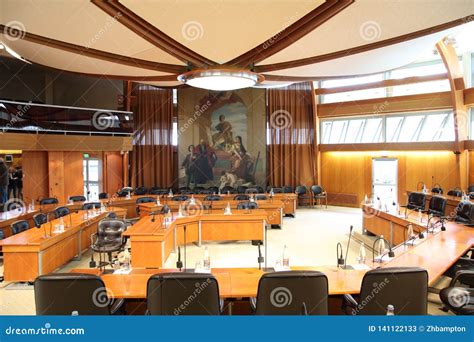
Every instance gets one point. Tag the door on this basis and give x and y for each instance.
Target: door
(91, 178)
(384, 179)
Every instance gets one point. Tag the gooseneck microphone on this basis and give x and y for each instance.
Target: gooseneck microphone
(339, 256)
(179, 263)
(347, 249)
(261, 259)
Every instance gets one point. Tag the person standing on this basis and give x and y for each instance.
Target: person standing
(11, 183)
(3, 181)
(19, 182)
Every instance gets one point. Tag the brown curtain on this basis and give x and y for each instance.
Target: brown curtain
(152, 158)
(292, 136)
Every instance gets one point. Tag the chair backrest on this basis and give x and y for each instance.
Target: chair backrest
(79, 198)
(183, 294)
(49, 200)
(247, 205)
(455, 192)
(2, 234)
(261, 197)
(227, 189)
(287, 189)
(180, 198)
(251, 191)
(204, 192)
(65, 293)
(158, 191)
(417, 200)
(277, 190)
(286, 293)
(212, 198)
(61, 211)
(437, 205)
(19, 226)
(406, 288)
(187, 192)
(301, 190)
(317, 189)
(437, 190)
(140, 191)
(40, 219)
(103, 195)
(241, 197)
(145, 200)
(463, 212)
(241, 189)
(91, 205)
(123, 193)
(213, 189)
(109, 232)
(470, 188)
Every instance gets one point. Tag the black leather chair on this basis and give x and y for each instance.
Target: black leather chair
(103, 195)
(304, 197)
(241, 197)
(180, 198)
(247, 205)
(260, 197)
(79, 198)
(464, 213)
(416, 201)
(141, 190)
(251, 191)
(209, 198)
(458, 299)
(406, 288)
(213, 189)
(470, 189)
(437, 190)
(228, 189)
(183, 294)
(158, 191)
(49, 200)
(143, 200)
(91, 205)
(123, 193)
(319, 195)
(19, 227)
(188, 192)
(40, 219)
(277, 190)
(68, 293)
(241, 189)
(287, 189)
(292, 293)
(204, 192)
(437, 206)
(455, 192)
(107, 240)
(61, 212)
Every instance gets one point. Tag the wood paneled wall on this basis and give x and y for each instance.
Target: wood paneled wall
(347, 176)
(112, 172)
(35, 175)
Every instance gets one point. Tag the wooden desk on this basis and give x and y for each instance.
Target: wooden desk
(152, 241)
(273, 208)
(233, 282)
(29, 254)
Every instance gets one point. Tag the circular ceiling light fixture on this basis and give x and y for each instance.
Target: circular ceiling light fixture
(221, 79)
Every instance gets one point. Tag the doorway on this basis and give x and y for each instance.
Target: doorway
(385, 179)
(91, 178)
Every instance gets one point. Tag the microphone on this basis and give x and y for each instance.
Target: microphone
(260, 257)
(391, 253)
(347, 249)
(152, 214)
(304, 309)
(179, 263)
(340, 257)
(38, 225)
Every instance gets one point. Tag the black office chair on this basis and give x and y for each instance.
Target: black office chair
(292, 293)
(319, 194)
(40, 219)
(19, 227)
(416, 201)
(123, 193)
(304, 197)
(210, 198)
(470, 189)
(143, 200)
(241, 189)
(158, 191)
(91, 205)
(247, 205)
(241, 197)
(140, 191)
(180, 198)
(251, 191)
(79, 198)
(228, 189)
(188, 192)
(213, 189)
(73, 293)
(107, 240)
(183, 294)
(455, 192)
(61, 212)
(261, 197)
(277, 190)
(103, 195)
(406, 288)
(464, 213)
(287, 189)
(50, 200)
(457, 297)
(437, 206)
(437, 189)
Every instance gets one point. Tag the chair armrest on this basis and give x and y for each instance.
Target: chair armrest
(93, 238)
(350, 301)
(116, 308)
(253, 304)
(459, 274)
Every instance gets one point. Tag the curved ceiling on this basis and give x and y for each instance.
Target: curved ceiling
(285, 40)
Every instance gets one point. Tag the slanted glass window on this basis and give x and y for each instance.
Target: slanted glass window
(421, 88)
(419, 70)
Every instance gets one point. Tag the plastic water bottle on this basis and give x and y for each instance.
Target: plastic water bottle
(285, 257)
(207, 260)
(366, 199)
(390, 310)
(381, 246)
(362, 253)
(158, 201)
(126, 260)
(420, 216)
(75, 313)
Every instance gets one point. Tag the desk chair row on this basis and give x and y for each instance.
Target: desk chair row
(279, 293)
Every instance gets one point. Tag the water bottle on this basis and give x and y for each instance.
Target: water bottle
(285, 257)
(126, 260)
(170, 194)
(381, 246)
(390, 310)
(158, 201)
(420, 216)
(207, 260)
(362, 254)
(410, 232)
(75, 313)
(366, 199)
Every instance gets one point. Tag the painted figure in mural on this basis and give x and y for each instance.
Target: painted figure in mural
(227, 179)
(188, 165)
(205, 160)
(241, 163)
(223, 137)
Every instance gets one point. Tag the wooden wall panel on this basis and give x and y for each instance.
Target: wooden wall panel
(112, 172)
(56, 175)
(73, 174)
(35, 175)
(350, 173)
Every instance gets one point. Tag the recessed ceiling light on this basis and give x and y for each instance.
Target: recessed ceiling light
(221, 79)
